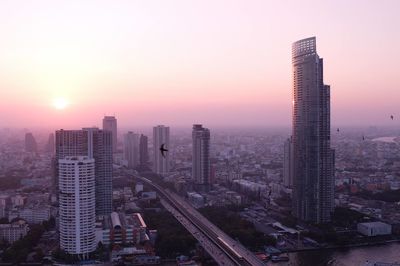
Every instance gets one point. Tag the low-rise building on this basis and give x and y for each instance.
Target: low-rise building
(13, 231)
(123, 229)
(374, 228)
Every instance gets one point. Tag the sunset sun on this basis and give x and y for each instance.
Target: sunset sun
(60, 103)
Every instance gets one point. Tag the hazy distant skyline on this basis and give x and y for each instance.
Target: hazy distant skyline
(183, 62)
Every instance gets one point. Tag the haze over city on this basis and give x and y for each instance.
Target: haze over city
(222, 63)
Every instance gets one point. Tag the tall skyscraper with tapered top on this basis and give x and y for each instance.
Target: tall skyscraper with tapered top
(110, 124)
(201, 157)
(313, 158)
(161, 137)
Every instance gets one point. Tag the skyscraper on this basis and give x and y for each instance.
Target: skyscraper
(50, 144)
(30, 143)
(110, 124)
(131, 149)
(96, 144)
(313, 159)
(201, 157)
(288, 163)
(77, 205)
(100, 148)
(160, 137)
(144, 150)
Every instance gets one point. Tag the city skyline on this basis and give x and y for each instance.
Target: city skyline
(232, 66)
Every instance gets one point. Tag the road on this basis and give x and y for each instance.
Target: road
(220, 246)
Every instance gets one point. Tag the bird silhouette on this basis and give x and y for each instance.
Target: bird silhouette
(338, 130)
(163, 150)
(363, 137)
(391, 117)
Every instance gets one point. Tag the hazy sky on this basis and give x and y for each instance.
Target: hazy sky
(180, 62)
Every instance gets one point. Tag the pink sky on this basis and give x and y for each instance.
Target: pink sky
(180, 62)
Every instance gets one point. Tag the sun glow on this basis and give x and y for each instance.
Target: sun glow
(60, 103)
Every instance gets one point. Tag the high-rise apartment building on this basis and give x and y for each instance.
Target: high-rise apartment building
(288, 163)
(313, 158)
(201, 157)
(161, 137)
(97, 144)
(77, 205)
(110, 124)
(144, 150)
(131, 149)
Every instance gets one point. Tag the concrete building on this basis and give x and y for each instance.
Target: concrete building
(201, 157)
(313, 158)
(35, 215)
(110, 124)
(374, 229)
(96, 144)
(161, 137)
(131, 149)
(144, 150)
(13, 231)
(77, 205)
(288, 163)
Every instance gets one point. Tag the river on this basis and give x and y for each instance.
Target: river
(345, 257)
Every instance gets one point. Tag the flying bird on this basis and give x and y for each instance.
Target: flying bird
(363, 137)
(163, 150)
(338, 130)
(391, 117)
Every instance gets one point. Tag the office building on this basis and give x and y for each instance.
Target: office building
(77, 205)
(144, 150)
(161, 137)
(313, 158)
(201, 157)
(131, 149)
(110, 124)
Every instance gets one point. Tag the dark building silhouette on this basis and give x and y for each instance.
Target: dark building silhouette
(30, 143)
(50, 146)
(201, 167)
(110, 124)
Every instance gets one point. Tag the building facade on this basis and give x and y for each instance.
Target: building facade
(161, 137)
(288, 163)
(201, 157)
(77, 205)
(110, 124)
(313, 158)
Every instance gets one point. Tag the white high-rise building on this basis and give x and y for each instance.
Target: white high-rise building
(161, 137)
(131, 149)
(110, 124)
(77, 205)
